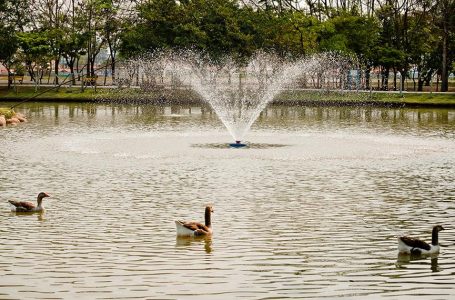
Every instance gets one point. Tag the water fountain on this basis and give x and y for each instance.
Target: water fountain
(237, 92)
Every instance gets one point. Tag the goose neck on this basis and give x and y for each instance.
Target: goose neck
(434, 237)
(208, 219)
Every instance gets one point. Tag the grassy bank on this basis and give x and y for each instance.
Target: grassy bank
(61, 94)
(300, 97)
(65, 94)
(364, 98)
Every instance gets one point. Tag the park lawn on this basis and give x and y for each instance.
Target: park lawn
(60, 94)
(418, 98)
(351, 98)
(75, 94)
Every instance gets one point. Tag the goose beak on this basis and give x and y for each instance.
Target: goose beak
(46, 195)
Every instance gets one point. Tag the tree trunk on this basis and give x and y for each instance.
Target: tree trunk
(89, 45)
(419, 80)
(71, 66)
(367, 78)
(92, 66)
(9, 74)
(30, 70)
(427, 79)
(56, 69)
(78, 71)
(50, 71)
(385, 79)
(444, 71)
(404, 72)
(394, 79)
(113, 71)
(420, 84)
(437, 82)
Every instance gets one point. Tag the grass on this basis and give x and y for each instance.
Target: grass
(418, 98)
(61, 94)
(352, 98)
(75, 94)
(8, 113)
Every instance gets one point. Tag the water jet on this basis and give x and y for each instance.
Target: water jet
(238, 92)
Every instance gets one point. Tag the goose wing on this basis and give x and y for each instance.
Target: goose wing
(22, 204)
(201, 232)
(415, 243)
(195, 226)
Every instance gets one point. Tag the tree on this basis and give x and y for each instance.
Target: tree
(74, 38)
(211, 26)
(93, 19)
(116, 14)
(50, 17)
(36, 52)
(8, 48)
(445, 18)
(390, 53)
(13, 17)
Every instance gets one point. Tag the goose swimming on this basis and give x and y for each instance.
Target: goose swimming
(411, 245)
(25, 206)
(195, 228)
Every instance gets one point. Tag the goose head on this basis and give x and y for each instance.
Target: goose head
(438, 228)
(207, 215)
(42, 195)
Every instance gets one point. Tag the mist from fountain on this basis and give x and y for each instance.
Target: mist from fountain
(238, 93)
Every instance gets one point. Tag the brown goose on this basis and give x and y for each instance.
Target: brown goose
(416, 246)
(24, 206)
(195, 228)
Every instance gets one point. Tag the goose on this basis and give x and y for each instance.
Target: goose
(195, 228)
(411, 245)
(24, 206)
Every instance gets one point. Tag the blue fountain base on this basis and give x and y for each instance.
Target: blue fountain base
(237, 145)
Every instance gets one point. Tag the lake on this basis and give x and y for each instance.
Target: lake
(310, 210)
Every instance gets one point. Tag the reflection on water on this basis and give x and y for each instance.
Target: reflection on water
(434, 264)
(407, 119)
(248, 146)
(404, 260)
(204, 242)
(39, 215)
(314, 218)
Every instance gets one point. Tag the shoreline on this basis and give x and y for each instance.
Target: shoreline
(188, 97)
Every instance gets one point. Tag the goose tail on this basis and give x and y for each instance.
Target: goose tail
(182, 230)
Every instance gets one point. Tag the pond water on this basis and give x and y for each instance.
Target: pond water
(311, 209)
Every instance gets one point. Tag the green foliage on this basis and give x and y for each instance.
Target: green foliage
(393, 35)
(8, 46)
(19, 69)
(8, 39)
(388, 57)
(35, 45)
(213, 26)
(221, 28)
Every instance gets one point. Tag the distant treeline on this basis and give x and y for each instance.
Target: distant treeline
(389, 36)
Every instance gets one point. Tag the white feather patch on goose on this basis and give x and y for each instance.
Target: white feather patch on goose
(182, 230)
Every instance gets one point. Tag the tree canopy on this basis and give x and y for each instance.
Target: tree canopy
(387, 35)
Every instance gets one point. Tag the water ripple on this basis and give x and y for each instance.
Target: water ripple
(317, 218)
